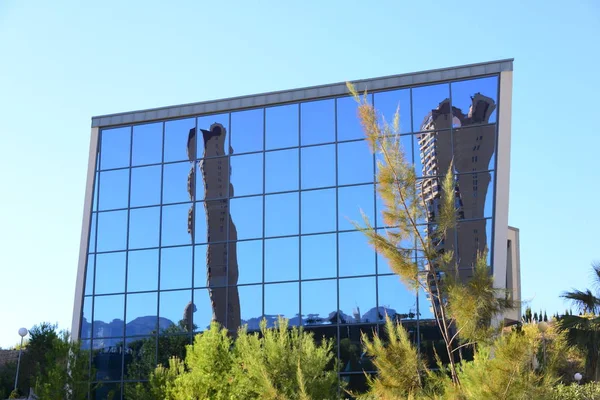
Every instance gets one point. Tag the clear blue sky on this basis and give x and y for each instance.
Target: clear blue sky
(63, 62)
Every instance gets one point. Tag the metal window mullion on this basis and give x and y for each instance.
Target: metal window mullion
(193, 222)
(264, 201)
(300, 322)
(337, 245)
(497, 149)
(415, 258)
(158, 293)
(227, 220)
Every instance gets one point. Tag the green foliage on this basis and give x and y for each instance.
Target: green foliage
(589, 391)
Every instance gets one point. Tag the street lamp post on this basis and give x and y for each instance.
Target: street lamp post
(22, 332)
(578, 377)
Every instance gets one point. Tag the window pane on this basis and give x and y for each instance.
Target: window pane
(395, 299)
(108, 390)
(247, 174)
(178, 181)
(348, 123)
(431, 107)
(352, 200)
(251, 306)
(318, 122)
(108, 315)
(142, 270)
(475, 195)
(112, 230)
(216, 212)
(425, 310)
(213, 178)
(92, 240)
(281, 214)
(140, 361)
(247, 131)
(355, 163)
(246, 218)
(96, 191)
(356, 255)
(176, 308)
(357, 300)
(213, 139)
(176, 268)
(473, 238)
(281, 168)
(175, 225)
(476, 99)
(141, 314)
(179, 134)
(433, 153)
(319, 301)
(318, 166)
(387, 103)
(114, 189)
(203, 313)
(474, 148)
(114, 147)
(107, 363)
(200, 265)
(89, 275)
(147, 144)
(318, 211)
(110, 273)
(281, 299)
(281, 259)
(282, 126)
(86, 317)
(319, 256)
(248, 256)
(145, 186)
(144, 225)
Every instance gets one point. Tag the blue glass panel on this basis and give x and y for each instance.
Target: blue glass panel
(107, 359)
(319, 256)
(247, 174)
(203, 314)
(142, 316)
(213, 178)
(281, 126)
(433, 153)
(318, 211)
(89, 275)
(348, 123)
(176, 182)
(139, 360)
(200, 265)
(248, 255)
(213, 146)
(473, 238)
(179, 135)
(95, 195)
(281, 168)
(145, 186)
(86, 317)
(246, 218)
(109, 312)
(147, 144)
(281, 214)
(110, 273)
(425, 100)
(357, 300)
(114, 189)
(247, 131)
(317, 122)
(355, 254)
(142, 270)
(282, 299)
(251, 305)
(175, 309)
(92, 240)
(112, 230)
(281, 259)
(176, 268)
(318, 166)
(395, 299)
(175, 225)
(387, 103)
(319, 301)
(477, 100)
(475, 195)
(144, 227)
(115, 147)
(352, 200)
(355, 163)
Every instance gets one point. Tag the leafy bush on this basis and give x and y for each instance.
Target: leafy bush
(589, 391)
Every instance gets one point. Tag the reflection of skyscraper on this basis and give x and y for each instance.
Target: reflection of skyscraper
(470, 147)
(221, 255)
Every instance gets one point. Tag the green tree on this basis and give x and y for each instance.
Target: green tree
(463, 311)
(583, 331)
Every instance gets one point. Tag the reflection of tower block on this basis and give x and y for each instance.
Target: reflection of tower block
(221, 264)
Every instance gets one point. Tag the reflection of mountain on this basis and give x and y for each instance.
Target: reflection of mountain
(139, 326)
(221, 256)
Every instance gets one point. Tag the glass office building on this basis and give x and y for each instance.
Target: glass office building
(241, 209)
